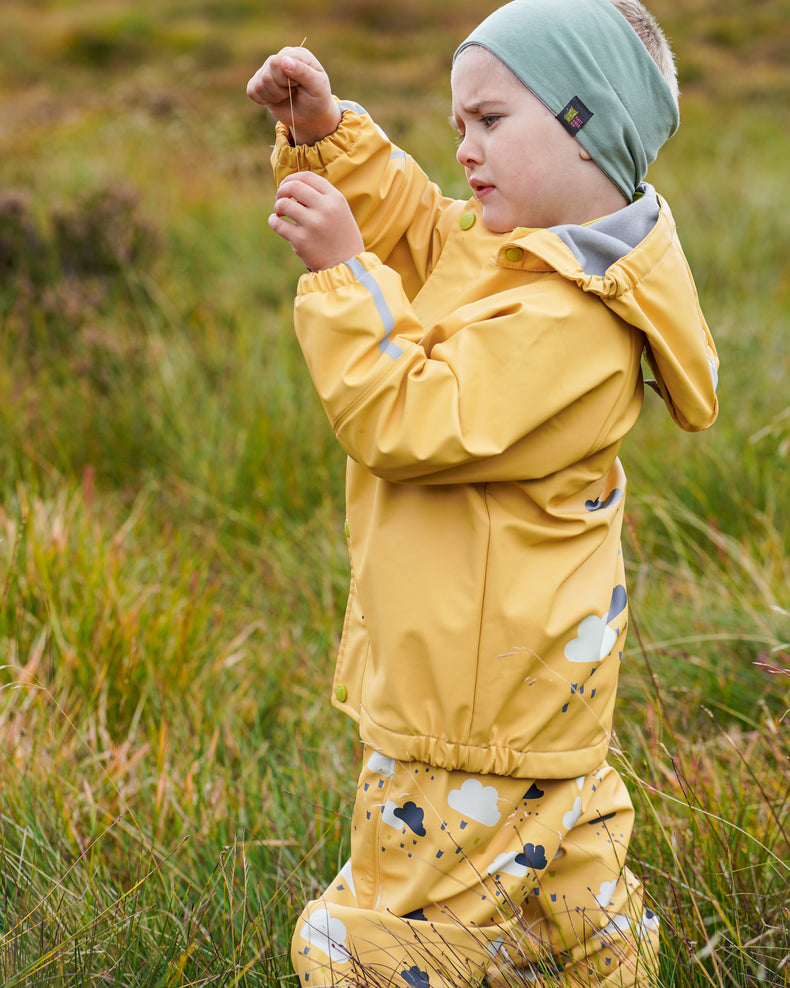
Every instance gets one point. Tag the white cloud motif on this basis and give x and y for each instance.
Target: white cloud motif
(618, 924)
(605, 893)
(507, 863)
(648, 924)
(327, 934)
(596, 639)
(571, 818)
(382, 765)
(347, 876)
(388, 815)
(497, 948)
(476, 801)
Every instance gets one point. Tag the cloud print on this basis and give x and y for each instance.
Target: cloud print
(416, 978)
(571, 818)
(506, 863)
(476, 801)
(619, 600)
(382, 765)
(497, 948)
(617, 924)
(327, 934)
(410, 815)
(347, 877)
(532, 857)
(614, 497)
(605, 893)
(648, 924)
(596, 639)
(388, 814)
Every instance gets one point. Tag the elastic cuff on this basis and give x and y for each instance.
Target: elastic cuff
(340, 276)
(315, 157)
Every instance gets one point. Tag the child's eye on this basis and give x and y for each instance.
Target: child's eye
(489, 119)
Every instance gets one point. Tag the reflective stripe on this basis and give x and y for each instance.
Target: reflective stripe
(366, 278)
(347, 104)
(714, 374)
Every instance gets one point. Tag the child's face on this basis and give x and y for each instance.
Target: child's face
(522, 165)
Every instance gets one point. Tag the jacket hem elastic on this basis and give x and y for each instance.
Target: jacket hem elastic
(484, 760)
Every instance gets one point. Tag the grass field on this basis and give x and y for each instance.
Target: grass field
(173, 782)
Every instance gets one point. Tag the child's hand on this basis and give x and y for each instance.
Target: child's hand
(308, 110)
(322, 229)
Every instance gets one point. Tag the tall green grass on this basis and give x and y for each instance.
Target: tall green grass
(173, 783)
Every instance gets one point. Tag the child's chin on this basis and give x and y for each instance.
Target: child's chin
(497, 224)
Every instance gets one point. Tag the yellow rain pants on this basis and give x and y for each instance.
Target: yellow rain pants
(456, 878)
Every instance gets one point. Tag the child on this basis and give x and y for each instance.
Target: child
(480, 362)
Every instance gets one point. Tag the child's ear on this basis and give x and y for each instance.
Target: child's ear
(584, 155)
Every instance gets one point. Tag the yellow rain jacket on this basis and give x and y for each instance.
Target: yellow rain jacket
(481, 385)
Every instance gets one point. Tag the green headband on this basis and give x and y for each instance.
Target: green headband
(589, 66)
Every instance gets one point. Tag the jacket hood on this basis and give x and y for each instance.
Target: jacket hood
(634, 261)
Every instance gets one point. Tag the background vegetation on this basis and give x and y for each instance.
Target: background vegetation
(173, 783)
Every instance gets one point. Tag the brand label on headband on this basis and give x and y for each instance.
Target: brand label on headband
(574, 116)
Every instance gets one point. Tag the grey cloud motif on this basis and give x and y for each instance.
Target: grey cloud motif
(618, 602)
(413, 816)
(518, 863)
(533, 856)
(649, 924)
(410, 815)
(614, 497)
(416, 978)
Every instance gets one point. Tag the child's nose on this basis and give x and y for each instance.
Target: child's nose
(466, 153)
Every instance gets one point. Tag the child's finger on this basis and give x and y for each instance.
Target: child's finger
(296, 192)
(316, 182)
(296, 68)
(271, 83)
(302, 67)
(290, 208)
(282, 227)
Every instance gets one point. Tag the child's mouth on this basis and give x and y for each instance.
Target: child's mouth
(480, 190)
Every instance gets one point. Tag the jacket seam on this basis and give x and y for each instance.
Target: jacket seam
(616, 412)
(374, 384)
(473, 711)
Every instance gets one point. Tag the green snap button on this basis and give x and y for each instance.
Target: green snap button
(468, 221)
(341, 692)
(514, 253)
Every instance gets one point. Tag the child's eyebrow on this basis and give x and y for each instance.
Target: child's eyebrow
(474, 110)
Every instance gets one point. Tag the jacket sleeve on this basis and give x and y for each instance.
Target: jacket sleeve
(517, 394)
(397, 208)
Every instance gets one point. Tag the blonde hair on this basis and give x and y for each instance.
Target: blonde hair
(653, 38)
